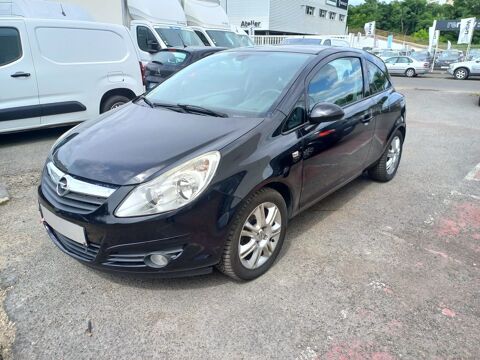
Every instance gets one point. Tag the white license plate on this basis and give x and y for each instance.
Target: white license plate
(64, 227)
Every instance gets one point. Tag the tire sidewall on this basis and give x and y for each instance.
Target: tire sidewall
(457, 71)
(392, 175)
(262, 197)
(410, 71)
(107, 105)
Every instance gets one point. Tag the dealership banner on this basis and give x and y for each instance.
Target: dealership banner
(433, 36)
(467, 27)
(452, 25)
(342, 4)
(370, 29)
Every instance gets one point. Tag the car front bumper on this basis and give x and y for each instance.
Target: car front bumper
(191, 238)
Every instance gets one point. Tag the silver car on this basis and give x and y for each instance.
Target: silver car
(406, 65)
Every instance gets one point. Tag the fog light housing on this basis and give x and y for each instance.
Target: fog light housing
(156, 260)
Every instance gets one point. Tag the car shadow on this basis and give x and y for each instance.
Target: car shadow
(31, 136)
(298, 225)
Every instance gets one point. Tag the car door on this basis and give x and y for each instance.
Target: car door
(19, 102)
(392, 65)
(402, 64)
(335, 152)
(476, 67)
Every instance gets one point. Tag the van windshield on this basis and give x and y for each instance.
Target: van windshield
(177, 37)
(226, 39)
(239, 84)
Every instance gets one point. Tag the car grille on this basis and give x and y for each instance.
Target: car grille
(72, 201)
(79, 251)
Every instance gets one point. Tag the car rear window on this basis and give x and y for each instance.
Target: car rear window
(173, 58)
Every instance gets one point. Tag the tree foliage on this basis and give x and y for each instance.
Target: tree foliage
(412, 17)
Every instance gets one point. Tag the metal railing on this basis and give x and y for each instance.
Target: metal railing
(277, 39)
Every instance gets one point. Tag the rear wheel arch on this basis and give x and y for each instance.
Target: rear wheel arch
(127, 93)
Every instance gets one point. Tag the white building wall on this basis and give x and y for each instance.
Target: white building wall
(241, 11)
(287, 16)
(290, 16)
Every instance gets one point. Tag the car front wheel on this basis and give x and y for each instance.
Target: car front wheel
(256, 236)
(461, 74)
(386, 168)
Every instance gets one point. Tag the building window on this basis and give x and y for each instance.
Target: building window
(341, 17)
(332, 15)
(309, 10)
(323, 13)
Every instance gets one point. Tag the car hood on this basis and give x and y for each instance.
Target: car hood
(131, 144)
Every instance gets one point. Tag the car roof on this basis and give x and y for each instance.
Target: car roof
(300, 49)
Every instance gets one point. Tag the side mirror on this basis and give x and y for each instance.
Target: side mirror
(153, 46)
(325, 112)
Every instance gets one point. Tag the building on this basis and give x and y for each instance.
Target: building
(287, 17)
(441, 2)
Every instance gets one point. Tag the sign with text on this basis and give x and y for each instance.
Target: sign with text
(452, 25)
(467, 27)
(369, 29)
(342, 4)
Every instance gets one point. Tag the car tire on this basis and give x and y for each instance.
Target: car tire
(461, 73)
(410, 72)
(113, 102)
(262, 249)
(386, 168)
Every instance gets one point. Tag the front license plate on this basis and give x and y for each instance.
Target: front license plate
(64, 227)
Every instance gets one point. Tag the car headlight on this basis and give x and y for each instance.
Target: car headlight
(171, 190)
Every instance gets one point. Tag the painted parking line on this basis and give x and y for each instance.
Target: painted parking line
(474, 175)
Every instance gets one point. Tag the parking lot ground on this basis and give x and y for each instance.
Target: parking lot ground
(375, 271)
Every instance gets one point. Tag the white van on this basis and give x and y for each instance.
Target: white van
(55, 72)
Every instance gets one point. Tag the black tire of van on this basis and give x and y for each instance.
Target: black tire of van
(113, 102)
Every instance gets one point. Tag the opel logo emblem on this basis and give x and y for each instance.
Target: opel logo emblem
(62, 187)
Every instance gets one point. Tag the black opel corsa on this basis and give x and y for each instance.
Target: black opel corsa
(207, 169)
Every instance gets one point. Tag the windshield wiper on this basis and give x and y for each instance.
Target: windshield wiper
(201, 110)
(145, 100)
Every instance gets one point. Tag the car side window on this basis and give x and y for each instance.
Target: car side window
(144, 35)
(391, 60)
(327, 42)
(10, 45)
(339, 82)
(402, 60)
(377, 79)
(202, 37)
(297, 116)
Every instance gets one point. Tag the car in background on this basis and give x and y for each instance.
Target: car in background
(473, 54)
(463, 70)
(447, 57)
(315, 40)
(167, 62)
(207, 169)
(57, 72)
(387, 54)
(422, 56)
(406, 65)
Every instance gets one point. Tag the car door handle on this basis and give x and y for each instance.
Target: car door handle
(365, 119)
(20, 74)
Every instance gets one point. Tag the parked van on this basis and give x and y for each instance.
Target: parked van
(210, 22)
(55, 72)
(154, 24)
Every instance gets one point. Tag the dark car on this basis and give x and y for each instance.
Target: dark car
(422, 55)
(208, 168)
(167, 62)
(447, 57)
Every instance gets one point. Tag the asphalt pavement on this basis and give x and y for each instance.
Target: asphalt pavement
(375, 271)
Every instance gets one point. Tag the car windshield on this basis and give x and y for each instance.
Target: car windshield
(170, 57)
(245, 40)
(301, 41)
(226, 39)
(449, 55)
(176, 37)
(239, 84)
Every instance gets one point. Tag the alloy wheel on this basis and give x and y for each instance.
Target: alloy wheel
(116, 105)
(461, 74)
(260, 235)
(393, 155)
(410, 72)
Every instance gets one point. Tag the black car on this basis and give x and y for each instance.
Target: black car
(208, 168)
(167, 62)
(447, 57)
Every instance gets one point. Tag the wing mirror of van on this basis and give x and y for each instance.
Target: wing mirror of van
(153, 46)
(325, 112)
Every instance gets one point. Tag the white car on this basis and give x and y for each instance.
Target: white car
(462, 70)
(55, 72)
(406, 65)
